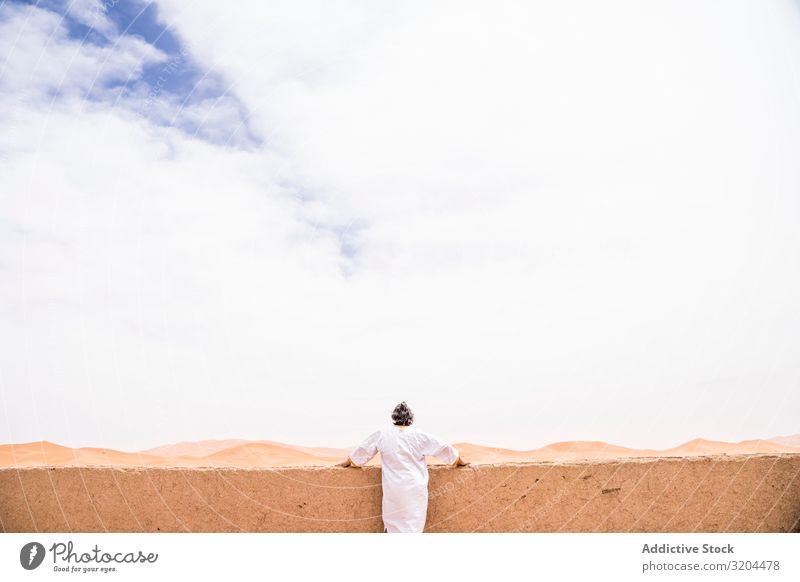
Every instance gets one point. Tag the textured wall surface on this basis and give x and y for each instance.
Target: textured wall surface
(709, 494)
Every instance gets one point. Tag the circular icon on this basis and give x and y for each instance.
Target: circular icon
(31, 555)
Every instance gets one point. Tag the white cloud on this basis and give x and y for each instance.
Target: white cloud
(41, 60)
(93, 14)
(533, 222)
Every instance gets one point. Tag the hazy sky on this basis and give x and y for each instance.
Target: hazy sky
(534, 221)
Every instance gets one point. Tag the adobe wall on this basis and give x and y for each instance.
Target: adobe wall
(706, 494)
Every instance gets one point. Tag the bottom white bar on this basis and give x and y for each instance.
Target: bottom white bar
(354, 557)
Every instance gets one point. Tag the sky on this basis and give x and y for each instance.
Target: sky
(533, 221)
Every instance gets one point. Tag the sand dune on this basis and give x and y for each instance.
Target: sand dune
(271, 454)
(195, 448)
(242, 453)
(792, 440)
(255, 452)
(702, 446)
(45, 453)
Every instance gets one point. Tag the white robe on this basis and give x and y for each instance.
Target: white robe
(404, 473)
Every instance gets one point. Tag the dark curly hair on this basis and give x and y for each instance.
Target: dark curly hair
(402, 415)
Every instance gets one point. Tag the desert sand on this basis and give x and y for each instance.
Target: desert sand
(253, 454)
(792, 440)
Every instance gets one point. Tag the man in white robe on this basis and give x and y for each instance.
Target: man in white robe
(404, 472)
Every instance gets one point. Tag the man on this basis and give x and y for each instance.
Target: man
(404, 472)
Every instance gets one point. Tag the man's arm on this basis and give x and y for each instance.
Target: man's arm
(436, 447)
(460, 462)
(362, 454)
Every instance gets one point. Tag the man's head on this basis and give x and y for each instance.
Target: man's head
(402, 415)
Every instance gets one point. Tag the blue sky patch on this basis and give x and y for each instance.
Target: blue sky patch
(178, 80)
